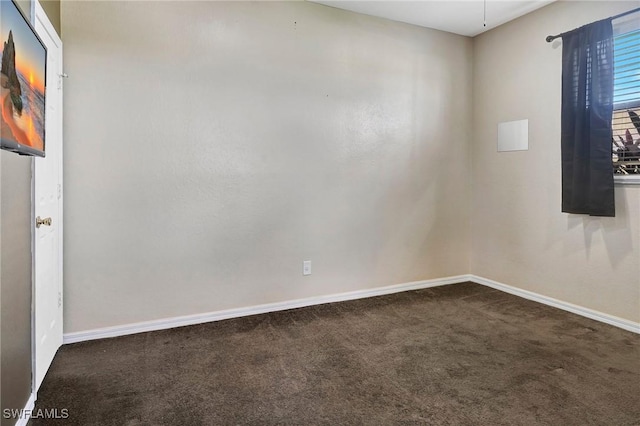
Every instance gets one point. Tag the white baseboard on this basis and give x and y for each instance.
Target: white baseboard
(162, 324)
(28, 408)
(167, 323)
(565, 306)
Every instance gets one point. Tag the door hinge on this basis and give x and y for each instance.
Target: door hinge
(59, 191)
(59, 299)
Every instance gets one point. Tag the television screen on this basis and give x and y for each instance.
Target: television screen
(22, 83)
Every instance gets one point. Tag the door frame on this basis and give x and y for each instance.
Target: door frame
(38, 14)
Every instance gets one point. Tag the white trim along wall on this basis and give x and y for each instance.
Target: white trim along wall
(25, 413)
(167, 323)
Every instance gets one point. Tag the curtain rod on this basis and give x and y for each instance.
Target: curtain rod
(551, 38)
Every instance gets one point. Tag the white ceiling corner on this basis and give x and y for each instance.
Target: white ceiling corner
(464, 17)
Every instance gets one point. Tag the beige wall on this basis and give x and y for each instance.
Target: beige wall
(212, 147)
(52, 9)
(15, 280)
(15, 268)
(520, 237)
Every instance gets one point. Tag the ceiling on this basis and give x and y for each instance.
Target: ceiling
(464, 17)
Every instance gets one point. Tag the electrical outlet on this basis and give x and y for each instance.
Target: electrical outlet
(306, 267)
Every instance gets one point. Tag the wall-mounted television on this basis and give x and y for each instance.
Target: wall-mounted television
(22, 83)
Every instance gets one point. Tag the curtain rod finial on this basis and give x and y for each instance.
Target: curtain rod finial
(550, 39)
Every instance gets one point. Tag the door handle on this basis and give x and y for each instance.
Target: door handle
(40, 222)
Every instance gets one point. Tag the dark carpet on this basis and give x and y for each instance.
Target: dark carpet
(461, 354)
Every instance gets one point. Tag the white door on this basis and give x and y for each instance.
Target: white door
(47, 204)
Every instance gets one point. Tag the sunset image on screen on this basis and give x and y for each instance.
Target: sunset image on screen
(22, 81)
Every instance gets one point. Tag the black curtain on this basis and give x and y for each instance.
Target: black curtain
(587, 108)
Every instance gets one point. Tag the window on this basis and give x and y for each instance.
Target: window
(626, 98)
